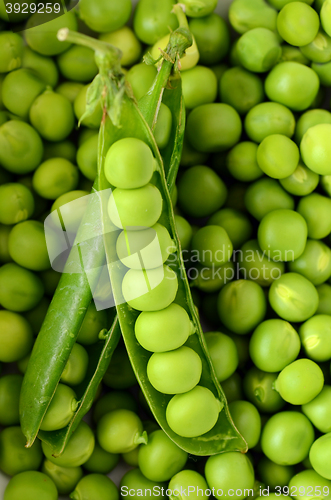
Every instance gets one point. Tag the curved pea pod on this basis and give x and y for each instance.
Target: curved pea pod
(223, 436)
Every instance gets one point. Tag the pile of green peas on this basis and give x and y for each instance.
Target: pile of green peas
(253, 214)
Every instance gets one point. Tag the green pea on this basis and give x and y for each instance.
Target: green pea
(63, 149)
(52, 115)
(55, 177)
(60, 410)
(241, 161)
(126, 40)
(11, 51)
(136, 483)
(153, 20)
(72, 204)
(120, 374)
(101, 461)
(290, 53)
(129, 164)
(20, 289)
(278, 156)
(14, 457)
(199, 86)
(184, 231)
(323, 71)
(78, 450)
(190, 157)
(259, 389)
(282, 235)
(212, 36)
(42, 37)
(256, 266)
(114, 400)
(64, 478)
(120, 431)
(22, 364)
(4, 237)
(325, 16)
(150, 290)
(93, 120)
(269, 118)
(27, 245)
(300, 382)
(78, 64)
(279, 4)
(141, 78)
(76, 367)
(315, 339)
(70, 90)
(21, 148)
(16, 203)
(274, 475)
(211, 279)
(190, 481)
(164, 330)
(319, 49)
(307, 479)
(94, 321)
(324, 294)
(326, 183)
(163, 126)
(258, 50)
(314, 263)
(44, 67)
(20, 88)
(229, 471)
(287, 437)
(10, 388)
(245, 15)
(241, 89)
(298, 23)
(247, 420)
(193, 413)
(241, 306)
(236, 224)
(201, 191)
(134, 208)
(204, 8)
(174, 372)
(316, 210)
(302, 182)
(131, 457)
(212, 246)
(232, 388)
(95, 486)
(223, 353)
(104, 17)
(320, 454)
(314, 148)
(31, 485)
(292, 84)
(318, 410)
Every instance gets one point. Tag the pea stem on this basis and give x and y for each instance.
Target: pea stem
(179, 11)
(66, 35)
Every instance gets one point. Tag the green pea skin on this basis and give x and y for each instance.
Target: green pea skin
(54, 178)
(70, 90)
(163, 126)
(114, 400)
(164, 330)
(64, 478)
(315, 149)
(126, 40)
(314, 263)
(228, 471)
(129, 164)
(245, 15)
(93, 120)
(20, 289)
(269, 118)
(293, 85)
(318, 410)
(320, 454)
(298, 23)
(104, 17)
(185, 479)
(20, 88)
(300, 382)
(95, 486)
(44, 67)
(325, 16)
(120, 431)
(307, 479)
(279, 4)
(87, 157)
(211, 279)
(27, 245)
(302, 182)
(287, 437)
(241, 162)
(223, 353)
(241, 306)
(201, 191)
(241, 89)
(120, 374)
(212, 246)
(258, 50)
(278, 156)
(93, 323)
(326, 183)
(259, 389)
(184, 231)
(319, 50)
(63, 149)
(152, 20)
(236, 224)
(316, 210)
(324, 294)
(16, 203)
(21, 148)
(14, 457)
(4, 237)
(141, 78)
(282, 235)
(60, 410)
(213, 128)
(247, 420)
(10, 387)
(212, 36)
(42, 37)
(78, 64)
(78, 450)
(136, 483)
(101, 461)
(11, 51)
(31, 485)
(193, 413)
(315, 337)
(199, 86)
(290, 53)
(76, 366)
(274, 475)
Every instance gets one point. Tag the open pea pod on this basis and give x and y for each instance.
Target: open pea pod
(223, 436)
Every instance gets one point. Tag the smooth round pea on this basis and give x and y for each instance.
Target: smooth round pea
(64, 478)
(174, 372)
(241, 306)
(293, 297)
(135, 482)
(163, 126)
(10, 387)
(126, 40)
(95, 486)
(310, 119)
(258, 50)
(160, 459)
(21, 148)
(20, 88)
(11, 51)
(119, 374)
(52, 116)
(193, 413)
(301, 182)
(282, 235)
(236, 224)
(287, 437)
(223, 353)
(315, 148)
(212, 36)
(204, 8)
(269, 118)
(16, 337)
(141, 77)
(70, 90)
(76, 367)
(16, 203)
(298, 23)
(199, 86)
(78, 449)
(241, 89)
(229, 471)
(42, 37)
(94, 321)
(316, 210)
(293, 85)
(309, 479)
(211, 279)
(247, 420)
(259, 389)
(91, 121)
(87, 157)
(78, 64)
(266, 195)
(101, 461)
(134, 208)
(103, 17)
(164, 330)
(14, 457)
(212, 128)
(320, 454)
(314, 263)
(211, 246)
(54, 178)
(120, 431)
(319, 50)
(256, 266)
(185, 479)
(242, 163)
(201, 191)
(278, 156)
(60, 410)
(44, 67)
(300, 382)
(184, 231)
(245, 15)
(150, 23)
(273, 345)
(31, 485)
(325, 16)
(27, 245)
(20, 289)
(315, 337)
(274, 475)
(129, 164)
(318, 410)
